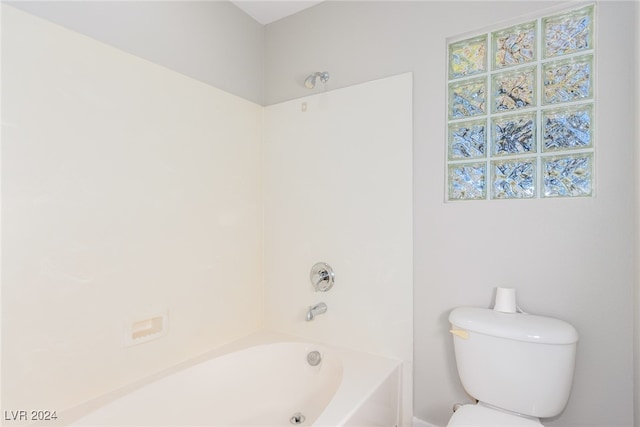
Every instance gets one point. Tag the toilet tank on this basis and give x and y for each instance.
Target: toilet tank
(519, 362)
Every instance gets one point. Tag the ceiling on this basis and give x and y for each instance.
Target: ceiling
(267, 11)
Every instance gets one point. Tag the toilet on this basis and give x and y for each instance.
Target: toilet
(519, 367)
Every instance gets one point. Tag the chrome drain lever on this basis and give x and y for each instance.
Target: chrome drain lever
(297, 419)
(314, 358)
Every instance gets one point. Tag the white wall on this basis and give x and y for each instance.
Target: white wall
(211, 41)
(572, 259)
(126, 188)
(637, 215)
(337, 189)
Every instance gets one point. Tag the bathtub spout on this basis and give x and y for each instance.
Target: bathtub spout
(315, 310)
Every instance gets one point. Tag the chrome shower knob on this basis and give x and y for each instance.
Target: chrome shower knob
(322, 277)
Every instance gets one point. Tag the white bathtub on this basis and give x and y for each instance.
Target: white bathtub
(262, 380)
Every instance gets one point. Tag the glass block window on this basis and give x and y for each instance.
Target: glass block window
(467, 140)
(468, 181)
(520, 111)
(514, 135)
(514, 46)
(468, 57)
(567, 175)
(514, 90)
(513, 179)
(467, 98)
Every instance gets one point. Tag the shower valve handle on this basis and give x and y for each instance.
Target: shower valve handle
(322, 277)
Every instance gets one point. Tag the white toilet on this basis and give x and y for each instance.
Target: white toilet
(518, 366)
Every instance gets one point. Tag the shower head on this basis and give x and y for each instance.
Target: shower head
(310, 82)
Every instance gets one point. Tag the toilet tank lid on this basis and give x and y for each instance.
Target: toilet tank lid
(514, 326)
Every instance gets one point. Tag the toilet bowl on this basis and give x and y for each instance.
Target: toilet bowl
(481, 415)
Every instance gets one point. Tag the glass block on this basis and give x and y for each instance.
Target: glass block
(467, 99)
(468, 57)
(513, 179)
(568, 80)
(567, 176)
(467, 140)
(467, 181)
(514, 90)
(514, 46)
(514, 134)
(567, 128)
(568, 32)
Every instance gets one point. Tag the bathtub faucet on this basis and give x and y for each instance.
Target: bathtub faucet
(315, 310)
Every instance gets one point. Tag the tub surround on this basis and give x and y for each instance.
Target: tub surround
(337, 189)
(127, 189)
(131, 190)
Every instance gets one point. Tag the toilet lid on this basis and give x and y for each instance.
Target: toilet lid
(482, 416)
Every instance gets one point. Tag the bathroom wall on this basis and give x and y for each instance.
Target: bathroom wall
(211, 41)
(337, 189)
(592, 287)
(637, 210)
(572, 259)
(128, 190)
